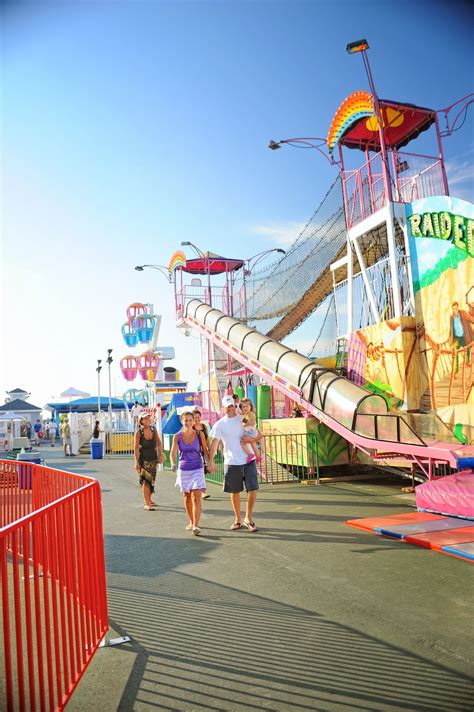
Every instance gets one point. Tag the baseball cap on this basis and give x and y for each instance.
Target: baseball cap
(227, 401)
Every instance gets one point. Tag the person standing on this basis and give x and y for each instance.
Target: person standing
(97, 431)
(37, 429)
(136, 410)
(52, 432)
(201, 428)
(65, 432)
(148, 451)
(238, 473)
(189, 444)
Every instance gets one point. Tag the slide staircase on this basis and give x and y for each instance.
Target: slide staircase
(358, 416)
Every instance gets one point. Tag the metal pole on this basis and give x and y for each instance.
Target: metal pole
(98, 369)
(109, 361)
(378, 113)
(441, 157)
(391, 239)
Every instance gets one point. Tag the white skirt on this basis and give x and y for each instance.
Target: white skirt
(189, 480)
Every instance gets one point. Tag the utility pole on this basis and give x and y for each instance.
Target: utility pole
(109, 362)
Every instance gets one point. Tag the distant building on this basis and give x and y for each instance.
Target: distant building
(16, 393)
(17, 406)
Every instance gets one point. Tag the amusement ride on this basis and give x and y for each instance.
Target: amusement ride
(390, 252)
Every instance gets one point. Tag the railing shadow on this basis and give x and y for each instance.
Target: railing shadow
(207, 646)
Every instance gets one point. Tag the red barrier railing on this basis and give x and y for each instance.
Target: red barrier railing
(52, 576)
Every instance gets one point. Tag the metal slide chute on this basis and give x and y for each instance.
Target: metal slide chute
(360, 417)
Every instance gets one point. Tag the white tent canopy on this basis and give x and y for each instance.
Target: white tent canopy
(74, 393)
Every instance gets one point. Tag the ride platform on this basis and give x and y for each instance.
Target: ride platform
(448, 535)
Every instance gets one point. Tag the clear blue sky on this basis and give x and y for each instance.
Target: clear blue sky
(128, 127)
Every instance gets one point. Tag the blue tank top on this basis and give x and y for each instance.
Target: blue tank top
(190, 457)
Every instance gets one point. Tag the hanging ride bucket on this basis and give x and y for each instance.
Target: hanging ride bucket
(148, 365)
(129, 335)
(144, 327)
(129, 367)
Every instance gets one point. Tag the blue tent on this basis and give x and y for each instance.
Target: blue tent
(86, 405)
(171, 423)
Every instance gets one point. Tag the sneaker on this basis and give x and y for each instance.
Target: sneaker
(250, 458)
(196, 531)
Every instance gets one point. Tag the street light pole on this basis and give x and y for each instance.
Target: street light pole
(109, 361)
(98, 369)
(160, 268)
(258, 257)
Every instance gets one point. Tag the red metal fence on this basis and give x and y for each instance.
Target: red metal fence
(52, 574)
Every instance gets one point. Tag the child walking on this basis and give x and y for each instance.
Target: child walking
(249, 422)
(188, 444)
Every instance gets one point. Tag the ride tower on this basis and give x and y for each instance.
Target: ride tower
(404, 284)
(219, 282)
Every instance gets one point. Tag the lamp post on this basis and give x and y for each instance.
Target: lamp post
(160, 268)
(305, 142)
(259, 256)
(363, 46)
(352, 48)
(98, 369)
(109, 362)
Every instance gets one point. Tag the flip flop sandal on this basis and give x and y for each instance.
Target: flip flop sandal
(236, 525)
(149, 507)
(251, 526)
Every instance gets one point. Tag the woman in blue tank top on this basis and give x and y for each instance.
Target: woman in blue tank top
(190, 445)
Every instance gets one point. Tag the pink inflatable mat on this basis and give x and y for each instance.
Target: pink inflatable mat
(452, 495)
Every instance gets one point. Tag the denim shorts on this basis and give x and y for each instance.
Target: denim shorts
(236, 477)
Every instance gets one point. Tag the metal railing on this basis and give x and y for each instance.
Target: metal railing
(53, 589)
(216, 296)
(285, 458)
(413, 176)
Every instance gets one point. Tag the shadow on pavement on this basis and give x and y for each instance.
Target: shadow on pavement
(205, 646)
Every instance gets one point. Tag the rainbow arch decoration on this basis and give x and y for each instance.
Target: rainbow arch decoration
(178, 259)
(354, 107)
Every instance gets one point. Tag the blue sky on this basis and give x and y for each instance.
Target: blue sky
(128, 127)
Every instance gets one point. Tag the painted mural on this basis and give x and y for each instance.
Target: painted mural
(427, 361)
(441, 239)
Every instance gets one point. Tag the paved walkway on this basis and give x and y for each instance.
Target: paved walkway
(306, 614)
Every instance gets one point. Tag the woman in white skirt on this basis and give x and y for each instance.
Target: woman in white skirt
(187, 444)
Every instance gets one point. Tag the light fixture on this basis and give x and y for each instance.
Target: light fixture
(357, 46)
(197, 250)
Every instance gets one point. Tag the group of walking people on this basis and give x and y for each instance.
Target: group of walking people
(195, 449)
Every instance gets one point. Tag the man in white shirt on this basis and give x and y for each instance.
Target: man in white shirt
(238, 472)
(136, 410)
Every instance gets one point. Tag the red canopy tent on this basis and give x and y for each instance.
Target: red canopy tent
(402, 124)
(211, 263)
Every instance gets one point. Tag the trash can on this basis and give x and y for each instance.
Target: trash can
(169, 373)
(25, 460)
(97, 449)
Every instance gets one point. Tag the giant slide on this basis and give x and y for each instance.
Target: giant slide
(362, 418)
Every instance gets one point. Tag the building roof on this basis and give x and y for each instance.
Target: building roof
(17, 404)
(86, 405)
(17, 390)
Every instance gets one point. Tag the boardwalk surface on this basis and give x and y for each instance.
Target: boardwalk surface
(306, 614)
